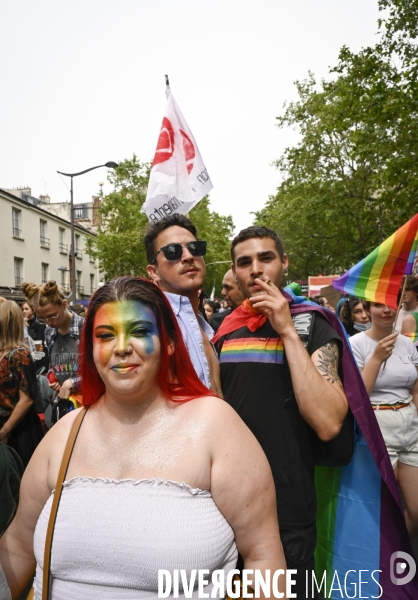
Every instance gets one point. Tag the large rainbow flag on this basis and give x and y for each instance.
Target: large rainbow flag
(360, 516)
(378, 276)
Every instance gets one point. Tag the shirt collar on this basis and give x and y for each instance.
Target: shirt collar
(176, 301)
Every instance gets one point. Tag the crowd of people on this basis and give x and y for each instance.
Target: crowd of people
(193, 449)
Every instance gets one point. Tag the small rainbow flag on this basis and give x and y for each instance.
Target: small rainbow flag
(378, 277)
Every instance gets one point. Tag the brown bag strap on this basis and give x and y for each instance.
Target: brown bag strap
(56, 500)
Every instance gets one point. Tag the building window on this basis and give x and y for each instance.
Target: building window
(18, 272)
(92, 286)
(80, 288)
(63, 247)
(64, 283)
(81, 211)
(17, 232)
(42, 231)
(78, 251)
(45, 272)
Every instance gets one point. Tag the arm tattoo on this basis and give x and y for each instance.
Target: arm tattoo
(328, 363)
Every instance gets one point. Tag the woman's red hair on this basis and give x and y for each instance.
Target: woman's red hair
(178, 380)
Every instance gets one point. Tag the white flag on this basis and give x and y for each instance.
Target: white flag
(179, 178)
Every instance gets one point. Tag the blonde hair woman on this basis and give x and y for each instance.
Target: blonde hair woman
(62, 333)
(20, 426)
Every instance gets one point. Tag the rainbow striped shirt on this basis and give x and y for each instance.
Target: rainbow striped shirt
(252, 350)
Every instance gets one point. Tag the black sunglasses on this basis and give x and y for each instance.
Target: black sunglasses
(175, 251)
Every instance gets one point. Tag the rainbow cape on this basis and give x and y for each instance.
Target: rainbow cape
(360, 517)
(378, 277)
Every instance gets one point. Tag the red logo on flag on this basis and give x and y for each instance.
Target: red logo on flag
(189, 151)
(165, 146)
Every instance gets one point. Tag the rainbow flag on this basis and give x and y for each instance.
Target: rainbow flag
(378, 277)
(360, 516)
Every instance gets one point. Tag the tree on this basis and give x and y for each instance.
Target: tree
(217, 230)
(119, 246)
(352, 179)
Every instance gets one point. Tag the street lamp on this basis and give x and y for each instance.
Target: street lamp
(109, 165)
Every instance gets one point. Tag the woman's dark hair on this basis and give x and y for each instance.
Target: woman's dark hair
(176, 377)
(212, 304)
(346, 313)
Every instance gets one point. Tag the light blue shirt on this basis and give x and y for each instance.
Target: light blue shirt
(190, 328)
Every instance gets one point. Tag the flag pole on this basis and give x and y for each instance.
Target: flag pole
(400, 303)
(397, 314)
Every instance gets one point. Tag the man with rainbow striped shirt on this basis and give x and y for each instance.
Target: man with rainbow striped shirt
(280, 387)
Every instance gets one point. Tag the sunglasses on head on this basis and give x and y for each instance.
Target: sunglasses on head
(175, 251)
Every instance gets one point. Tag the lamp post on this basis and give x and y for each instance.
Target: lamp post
(109, 165)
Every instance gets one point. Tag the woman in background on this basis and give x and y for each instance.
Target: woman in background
(354, 315)
(210, 309)
(36, 331)
(20, 426)
(388, 363)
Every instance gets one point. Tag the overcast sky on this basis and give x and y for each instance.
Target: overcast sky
(82, 83)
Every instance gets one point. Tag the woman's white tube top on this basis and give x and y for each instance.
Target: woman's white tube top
(112, 536)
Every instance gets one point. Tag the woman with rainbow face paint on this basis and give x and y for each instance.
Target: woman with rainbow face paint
(163, 474)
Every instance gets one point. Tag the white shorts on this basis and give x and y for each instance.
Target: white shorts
(400, 432)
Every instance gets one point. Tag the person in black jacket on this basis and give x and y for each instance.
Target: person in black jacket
(36, 330)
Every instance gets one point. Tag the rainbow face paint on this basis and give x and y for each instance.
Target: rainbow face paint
(125, 333)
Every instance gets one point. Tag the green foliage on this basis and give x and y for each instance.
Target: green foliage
(119, 243)
(217, 230)
(352, 179)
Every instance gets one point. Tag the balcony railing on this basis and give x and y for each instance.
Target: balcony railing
(17, 232)
(63, 248)
(92, 290)
(78, 253)
(44, 242)
(80, 290)
(91, 259)
(18, 281)
(65, 287)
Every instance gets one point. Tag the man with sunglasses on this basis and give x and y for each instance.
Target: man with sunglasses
(176, 265)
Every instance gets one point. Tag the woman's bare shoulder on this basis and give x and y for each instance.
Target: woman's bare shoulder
(216, 412)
